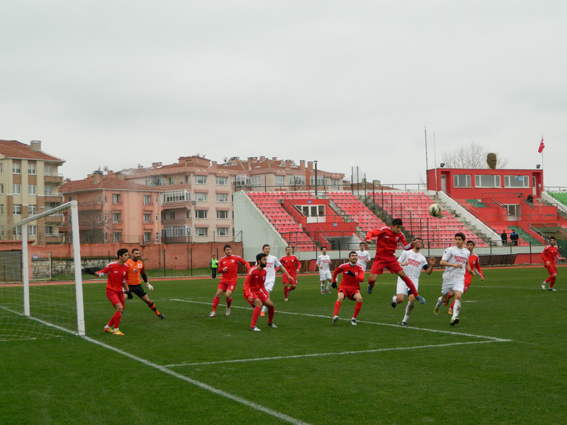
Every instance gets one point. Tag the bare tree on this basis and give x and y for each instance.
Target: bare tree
(94, 223)
(472, 155)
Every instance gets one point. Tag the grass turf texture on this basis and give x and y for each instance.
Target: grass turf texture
(68, 380)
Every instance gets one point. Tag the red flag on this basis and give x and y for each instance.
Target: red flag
(541, 146)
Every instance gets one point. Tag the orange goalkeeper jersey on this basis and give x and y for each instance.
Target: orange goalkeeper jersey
(135, 269)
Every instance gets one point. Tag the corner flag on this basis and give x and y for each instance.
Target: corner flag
(541, 146)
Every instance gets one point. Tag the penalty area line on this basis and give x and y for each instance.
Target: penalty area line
(344, 353)
(321, 316)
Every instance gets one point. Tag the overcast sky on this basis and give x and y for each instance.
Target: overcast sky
(121, 83)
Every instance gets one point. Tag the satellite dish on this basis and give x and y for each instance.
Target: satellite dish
(225, 158)
(105, 169)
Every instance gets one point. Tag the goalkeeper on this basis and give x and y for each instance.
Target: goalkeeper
(136, 269)
(352, 275)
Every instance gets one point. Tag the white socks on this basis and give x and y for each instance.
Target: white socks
(456, 309)
(409, 309)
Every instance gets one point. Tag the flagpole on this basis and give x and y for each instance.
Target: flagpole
(542, 155)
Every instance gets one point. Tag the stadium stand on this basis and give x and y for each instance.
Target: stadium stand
(354, 209)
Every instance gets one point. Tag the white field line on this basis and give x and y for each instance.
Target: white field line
(378, 350)
(163, 369)
(362, 321)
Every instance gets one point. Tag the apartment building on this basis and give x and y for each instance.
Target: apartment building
(29, 182)
(196, 199)
(261, 173)
(114, 210)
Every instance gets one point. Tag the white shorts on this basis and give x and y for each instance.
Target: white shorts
(324, 275)
(403, 288)
(269, 286)
(454, 284)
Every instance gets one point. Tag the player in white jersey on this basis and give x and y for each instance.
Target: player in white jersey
(272, 263)
(413, 262)
(456, 261)
(324, 263)
(363, 256)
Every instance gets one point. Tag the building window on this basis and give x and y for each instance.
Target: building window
(335, 183)
(201, 214)
(17, 189)
(157, 237)
(1, 209)
(171, 180)
(222, 231)
(222, 197)
(115, 198)
(461, 180)
(222, 215)
(483, 180)
(297, 180)
(149, 182)
(48, 170)
(116, 237)
(516, 181)
(1, 187)
(147, 237)
(32, 209)
(32, 230)
(187, 214)
(321, 181)
(173, 231)
(48, 230)
(147, 218)
(201, 231)
(71, 198)
(105, 217)
(106, 237)
(157, 199)
(17, 232)
(222, 181)
(256, 181)
(1, 168)
(116, 217)
(99, 199)
(147, 199)
(200, 179)
(157, 218)
(17, 209)
(31, 168)
(16, 168)
(48, 190)
(280, 180)
(176, 196)
(200, 197)
(171, 215)
(161, 181)
(242, 180)
(32, 190)
(186, 179)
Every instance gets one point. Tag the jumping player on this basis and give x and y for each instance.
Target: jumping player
(256, 294)
(550, 255)
(136, 269)
(323, 263)
(352, 275)
(413, 262)
(475, 268)
(272, 263)
(292, 264)
(387, 240)
(456, 261)
(116, 272)
(228, 268)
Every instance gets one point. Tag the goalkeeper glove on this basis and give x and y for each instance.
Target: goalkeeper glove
(150, 287)
(350, 273)
(129, 294)
(334, 285)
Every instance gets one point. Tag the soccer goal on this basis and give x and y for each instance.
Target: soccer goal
(40, 298)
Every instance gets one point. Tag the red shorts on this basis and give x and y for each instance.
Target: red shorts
(551, 269)
(255, 294)
(349, 292)
(467, 284)
(285, 279)
(468, 279)
(115, 297)
(381, 263)
(227, 286)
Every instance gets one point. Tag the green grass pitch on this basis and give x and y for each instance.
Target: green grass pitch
(503, 364)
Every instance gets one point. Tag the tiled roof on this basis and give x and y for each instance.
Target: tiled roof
(15, 149)
(107, 182)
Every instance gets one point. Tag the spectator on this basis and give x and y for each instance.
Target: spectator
(214, 266)
(504, 237)
(514, 238)
(530, 199)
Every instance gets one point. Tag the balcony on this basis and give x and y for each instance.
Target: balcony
(54, 239)
(177, 222)
(57, 218)
(54, 178)
(53, 197)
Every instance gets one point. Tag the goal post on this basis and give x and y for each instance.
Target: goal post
(47, 304)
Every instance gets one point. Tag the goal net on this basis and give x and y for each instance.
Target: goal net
(41, 295)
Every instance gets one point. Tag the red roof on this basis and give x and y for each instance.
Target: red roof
(107, 183)
(15, 149)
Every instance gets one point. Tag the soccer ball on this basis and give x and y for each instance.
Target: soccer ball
(435, 210)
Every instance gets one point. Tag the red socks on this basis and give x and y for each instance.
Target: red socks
(228, 302)
(216, 301)
(115, 320)
(271, 314)
(357, 308)
(255, 315)
(370, 282)
(552, 282)
(337, 308)
(410, 285)
(285, 291)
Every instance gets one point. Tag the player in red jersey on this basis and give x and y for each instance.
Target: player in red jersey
(550, 255)
(292, 264)
(228, 268)
(115, 287)
(474, 265)
(352, 275)
(387, 240)
(136, 269)
(256, 294)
